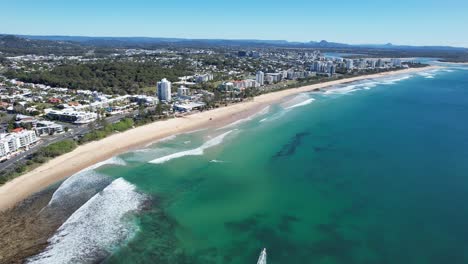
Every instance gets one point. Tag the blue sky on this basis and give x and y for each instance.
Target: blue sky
(413, 22)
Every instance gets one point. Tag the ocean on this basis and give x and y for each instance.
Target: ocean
(369, 172)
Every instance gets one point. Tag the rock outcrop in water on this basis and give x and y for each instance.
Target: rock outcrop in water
(290, 148)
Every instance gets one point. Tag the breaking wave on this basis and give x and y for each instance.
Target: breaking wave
(365, 84)
(171, 137)
(90, 234)
(193, 152)
(427, 75)
(306, 102)
(394, 80)
(237, 122)
(83, 185)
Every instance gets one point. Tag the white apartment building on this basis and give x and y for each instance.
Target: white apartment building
(164, 90)
(203, 77)
(12, 142)
(183, 91)
(260, 78)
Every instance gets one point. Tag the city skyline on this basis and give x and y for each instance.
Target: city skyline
(360, 22)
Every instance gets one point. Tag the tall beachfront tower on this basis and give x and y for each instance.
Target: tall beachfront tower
(164, 90)
(260, 77)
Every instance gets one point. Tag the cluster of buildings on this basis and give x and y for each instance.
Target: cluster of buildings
(370, 63)
(11, 143)
(185, 100)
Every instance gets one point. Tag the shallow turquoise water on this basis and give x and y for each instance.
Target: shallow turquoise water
(375, 175)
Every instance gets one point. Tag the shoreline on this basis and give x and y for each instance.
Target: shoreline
(59, 168)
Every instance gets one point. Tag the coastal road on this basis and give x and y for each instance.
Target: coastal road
(75, 130)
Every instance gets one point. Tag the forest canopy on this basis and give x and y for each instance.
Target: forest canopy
(111, 77)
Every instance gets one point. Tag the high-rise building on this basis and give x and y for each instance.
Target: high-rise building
(380, 63)
(396, 62)
(274, 77)
(330, 68)
(260, 77)
(349, 64)
(164, 90)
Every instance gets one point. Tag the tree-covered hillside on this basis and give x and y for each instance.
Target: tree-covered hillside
(113, 77)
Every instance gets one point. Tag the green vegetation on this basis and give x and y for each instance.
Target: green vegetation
(14, 46)
(108, 129)
(56, 149)
(41, 156)
(111, 77)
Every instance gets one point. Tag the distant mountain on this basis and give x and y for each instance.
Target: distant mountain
(148, 41)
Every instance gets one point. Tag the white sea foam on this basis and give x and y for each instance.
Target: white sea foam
(83, 181)
(168, 138)
(427, 75)
(342, 90)
(389, 81)
(193, 152)
(275, 116)
(305, 102)
(111, 161)
(90, 233)
(216, 161)
(237, 122)
(365, 84)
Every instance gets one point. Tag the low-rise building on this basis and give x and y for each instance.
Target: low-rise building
(187, 107)
(12, 142)
(48, 128)
(71, 116)
(183, 91)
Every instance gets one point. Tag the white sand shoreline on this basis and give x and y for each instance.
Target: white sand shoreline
(86, 155)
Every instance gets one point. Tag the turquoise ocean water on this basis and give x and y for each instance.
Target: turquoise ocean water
(368, 172)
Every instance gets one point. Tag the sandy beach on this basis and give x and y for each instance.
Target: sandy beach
(86, 155)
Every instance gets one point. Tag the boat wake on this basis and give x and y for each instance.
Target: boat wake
(217, 161)
(91, 232)
(193, 152)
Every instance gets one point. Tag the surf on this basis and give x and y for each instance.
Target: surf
(193, 152)
(91, 232)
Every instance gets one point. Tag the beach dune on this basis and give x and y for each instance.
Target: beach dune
(86, 155)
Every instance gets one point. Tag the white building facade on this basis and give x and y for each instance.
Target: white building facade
(260, 78)
(164, 90)
(12, 142)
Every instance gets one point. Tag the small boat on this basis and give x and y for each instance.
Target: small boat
(263, 257)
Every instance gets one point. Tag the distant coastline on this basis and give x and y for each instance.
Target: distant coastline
(86, 155)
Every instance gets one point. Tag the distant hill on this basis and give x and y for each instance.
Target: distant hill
(141, 41)
(13, 45)
(79, 45)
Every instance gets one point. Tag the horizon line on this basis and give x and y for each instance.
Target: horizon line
(232, 39)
